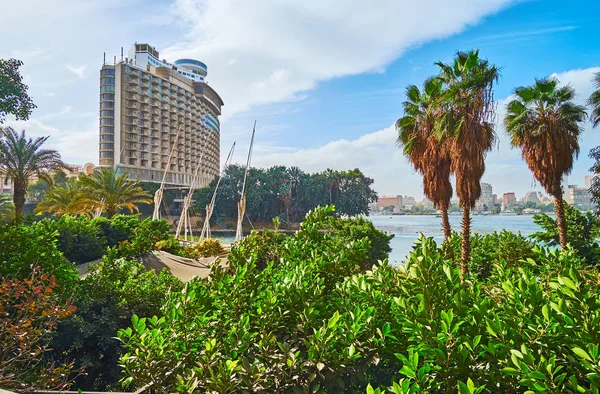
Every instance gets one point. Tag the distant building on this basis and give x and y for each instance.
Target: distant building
(509, 199)
(486, 200)
(535, 197)
(579, 197)
(495, 199)
(386, 201)
(408, 202)
(427, 203)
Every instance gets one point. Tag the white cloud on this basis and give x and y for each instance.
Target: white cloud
(282, 48)
(77, 70)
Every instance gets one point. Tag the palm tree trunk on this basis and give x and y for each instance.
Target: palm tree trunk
(19, 191)
(330, 196)
(560, 220)
(466, 243)
(446, 223)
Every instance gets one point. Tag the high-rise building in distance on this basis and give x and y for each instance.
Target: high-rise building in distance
(144, 102)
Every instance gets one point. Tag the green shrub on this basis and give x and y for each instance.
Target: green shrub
(79, 238)
(117, 229)
(145, 237)
(172, 246)
(25, 247)
(207, 248)
(264, 246)
(105, 300)
(312, 321)
(583, 231)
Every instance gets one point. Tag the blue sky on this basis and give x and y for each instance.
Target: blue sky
(325, 80)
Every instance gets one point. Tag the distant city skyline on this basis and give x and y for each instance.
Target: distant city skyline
(325, 92)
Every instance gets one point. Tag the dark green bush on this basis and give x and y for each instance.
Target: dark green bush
(25, 247)
(117, 229)
(172, 246)
(206, 248)
(79, 238)
(145, 237)
(583, 231)
(105, 301)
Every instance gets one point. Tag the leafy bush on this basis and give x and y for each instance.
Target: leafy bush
(145, 237)
(25, 247)
(28, 317)
(79, 238)
(264, 246)
(493, 248)
(350, 229)
(172, 246)
(117, 229)
(583, 230)
(105, 300)
(311, 321)
(206, 248)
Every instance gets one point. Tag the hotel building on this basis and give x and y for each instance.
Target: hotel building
(144, 102)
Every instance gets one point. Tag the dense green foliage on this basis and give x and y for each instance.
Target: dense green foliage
(583, 231)
(105, 300)
(205, 248)
(25, 247)
(288, 193)
(14, 99)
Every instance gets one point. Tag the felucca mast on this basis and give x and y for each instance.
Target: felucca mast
(159, 193)
(242, 203)
(211, 206)
(184, 218)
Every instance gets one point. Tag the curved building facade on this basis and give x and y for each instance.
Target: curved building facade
(144, 102)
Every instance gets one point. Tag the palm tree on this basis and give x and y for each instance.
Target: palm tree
(22, 158)
(416, 134)
(594, 101)
(107, 191)
(65, 199)
(333, 182)
(295, 173)
(545, 123)
(7, 208)
(466, 124)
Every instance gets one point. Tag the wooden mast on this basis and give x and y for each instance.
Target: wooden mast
(211, 206)
(159, 193)
(242, 203)
(184, 218)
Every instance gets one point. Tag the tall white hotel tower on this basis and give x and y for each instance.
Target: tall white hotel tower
(144, 101)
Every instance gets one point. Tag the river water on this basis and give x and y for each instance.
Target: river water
(406, 228)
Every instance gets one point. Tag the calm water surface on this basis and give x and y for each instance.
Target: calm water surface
(406, 228)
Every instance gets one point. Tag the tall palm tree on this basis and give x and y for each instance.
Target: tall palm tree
(545, 123)
(333, 182)
(430, 157)
(22, 158)
(107, 191)
(295, 173)
(65, 199)
(594, 101)
(466, 123)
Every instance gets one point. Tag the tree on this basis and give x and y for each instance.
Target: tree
(354, 194)
(417, 136)
(22, 158)
(333, 183)
(106, 191)
(594, 101)
(13, 92)
(65, 200)
(545, 124)
(466, 124)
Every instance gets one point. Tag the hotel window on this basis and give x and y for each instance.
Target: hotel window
(109, 137)
(107, 96)
(108, 88)
(107, 129)
(107, 104)
(106, 154)
(107, 81)
(107, 146)
(107, 112)
(108, 71)
(107, 121)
